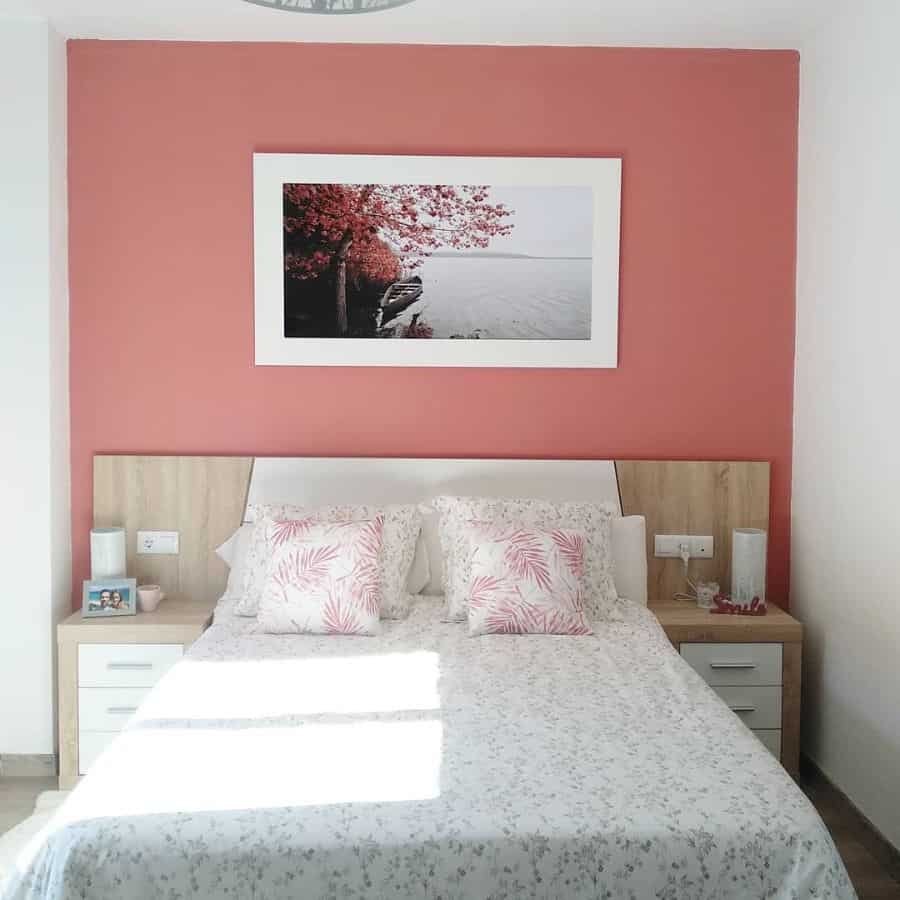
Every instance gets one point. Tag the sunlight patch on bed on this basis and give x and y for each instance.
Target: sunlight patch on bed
(173, 770)
(259, 689)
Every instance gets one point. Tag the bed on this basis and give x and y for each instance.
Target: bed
(425, 763)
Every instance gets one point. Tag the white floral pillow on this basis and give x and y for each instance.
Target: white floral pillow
(526, 581)
(592, 520)
(322, 578)
(401, 530)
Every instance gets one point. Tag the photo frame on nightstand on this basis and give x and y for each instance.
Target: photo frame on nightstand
(109, 597)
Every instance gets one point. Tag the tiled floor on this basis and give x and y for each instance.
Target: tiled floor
(870, 877)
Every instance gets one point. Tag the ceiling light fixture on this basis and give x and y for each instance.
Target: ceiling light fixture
(330, 7)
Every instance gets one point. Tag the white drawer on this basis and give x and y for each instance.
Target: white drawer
(90, 745)
(125, 665)
(756, 707)
(772, 740)
(108, 709)
(736, 664)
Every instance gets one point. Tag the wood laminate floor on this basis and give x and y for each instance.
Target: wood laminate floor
(872, 866)
(870, 875)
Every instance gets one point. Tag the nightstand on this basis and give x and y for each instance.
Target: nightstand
(751, 662)
(107, 667)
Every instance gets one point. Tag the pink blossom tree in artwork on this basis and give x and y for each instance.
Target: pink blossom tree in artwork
(375, 231)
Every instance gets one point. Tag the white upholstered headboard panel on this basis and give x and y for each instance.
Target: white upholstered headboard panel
(311, 481)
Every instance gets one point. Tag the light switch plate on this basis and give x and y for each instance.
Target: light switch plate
(157, 543)
(667, 546)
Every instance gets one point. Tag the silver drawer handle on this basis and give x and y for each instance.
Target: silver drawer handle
(742, 709)
(733, 665)
(121, 710)
(131, 667)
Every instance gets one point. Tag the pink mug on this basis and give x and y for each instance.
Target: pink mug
(149, 597)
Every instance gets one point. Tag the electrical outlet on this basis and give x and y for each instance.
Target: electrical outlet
(157, 543)
(668, 546)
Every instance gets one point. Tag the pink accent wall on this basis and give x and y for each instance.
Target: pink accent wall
(161, 137)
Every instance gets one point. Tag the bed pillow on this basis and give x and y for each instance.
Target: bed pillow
(322, 578)
(234, 554)
(628, 539)
(525, 580)
(431, 538)
(589, 519)
(401, 529)
(420, 571)
(225, 550)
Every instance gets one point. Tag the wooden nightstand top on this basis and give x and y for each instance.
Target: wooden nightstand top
(683, 621)
(174, 621)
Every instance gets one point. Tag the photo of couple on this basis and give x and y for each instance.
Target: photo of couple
(107, 599)
(112, 598)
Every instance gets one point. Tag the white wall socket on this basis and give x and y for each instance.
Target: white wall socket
(669, 545)
(157, 542)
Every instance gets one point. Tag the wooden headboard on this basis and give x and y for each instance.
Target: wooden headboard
(203, 498)
(693, 498)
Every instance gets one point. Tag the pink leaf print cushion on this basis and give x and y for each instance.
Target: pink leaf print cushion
(591, 521)
(322, 578)
(526, 580)
(402, 524)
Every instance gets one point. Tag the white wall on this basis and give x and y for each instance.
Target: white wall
(34, 387)
(846, 494)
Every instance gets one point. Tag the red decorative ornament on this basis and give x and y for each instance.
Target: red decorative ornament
(724, 606)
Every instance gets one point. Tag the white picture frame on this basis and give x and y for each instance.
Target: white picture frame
(271, 171)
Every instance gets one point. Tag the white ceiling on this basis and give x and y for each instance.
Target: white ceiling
(683, 23)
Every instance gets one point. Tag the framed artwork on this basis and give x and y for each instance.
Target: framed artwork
(436, 261)
(338, 7)
(109, 597)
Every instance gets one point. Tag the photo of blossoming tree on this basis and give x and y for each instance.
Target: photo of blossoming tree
(437, 261)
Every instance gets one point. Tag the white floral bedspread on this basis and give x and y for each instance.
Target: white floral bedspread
(427, 763)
